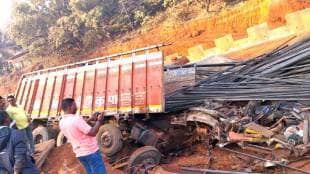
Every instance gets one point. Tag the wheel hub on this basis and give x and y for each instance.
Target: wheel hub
(106, 139)
(38, 139)
(148, 162)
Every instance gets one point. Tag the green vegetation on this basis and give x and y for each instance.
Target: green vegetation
(46, 26)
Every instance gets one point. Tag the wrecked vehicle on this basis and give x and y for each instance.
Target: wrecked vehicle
(259, 103)
(129, 88)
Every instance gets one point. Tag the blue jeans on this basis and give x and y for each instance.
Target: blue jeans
(29, 136)
(93, 163)
(30, 169)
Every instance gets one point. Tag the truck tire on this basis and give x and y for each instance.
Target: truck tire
(109, 139)
(143, 159)
(40, 134)
(61, 139)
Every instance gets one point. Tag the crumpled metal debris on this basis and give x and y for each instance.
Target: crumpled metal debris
(261, 127)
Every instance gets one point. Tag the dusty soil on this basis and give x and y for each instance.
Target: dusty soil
(222, 160)
(279, 8)
(62, 160)
(200, 159)
(303, 164)
(233, 20)
(8, 83)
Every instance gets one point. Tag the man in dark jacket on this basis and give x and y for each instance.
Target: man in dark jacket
(14, 152)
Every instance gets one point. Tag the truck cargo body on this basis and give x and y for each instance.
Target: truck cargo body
(129, 88)
(128, 85)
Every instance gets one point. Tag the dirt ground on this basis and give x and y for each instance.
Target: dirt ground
(279, 8)
(222, 160)
(204, 30)
(63, 161)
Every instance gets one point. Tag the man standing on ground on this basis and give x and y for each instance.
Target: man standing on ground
(82, 137)
(15, 154)
(18, 115)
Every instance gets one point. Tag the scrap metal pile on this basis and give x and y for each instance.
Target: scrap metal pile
(283, 74)
(261, 104)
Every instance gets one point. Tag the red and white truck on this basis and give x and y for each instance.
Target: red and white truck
(129, 88)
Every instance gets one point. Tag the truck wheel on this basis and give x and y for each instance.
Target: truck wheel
(109, 139)
(40, 134)
(143, 159)
(61, 139)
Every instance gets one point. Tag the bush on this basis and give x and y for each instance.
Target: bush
(169, 3)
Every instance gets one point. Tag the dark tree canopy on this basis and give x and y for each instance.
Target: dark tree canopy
(45, 26)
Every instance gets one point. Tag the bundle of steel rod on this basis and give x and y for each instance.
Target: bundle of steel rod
(283, 74)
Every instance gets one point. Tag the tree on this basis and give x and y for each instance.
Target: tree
(66, 33)
(42, 26)
(29, 27)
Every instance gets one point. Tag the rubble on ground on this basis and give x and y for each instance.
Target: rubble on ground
(260, 105)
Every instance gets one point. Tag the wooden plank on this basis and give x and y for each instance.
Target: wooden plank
(42, 151)
(260, 129)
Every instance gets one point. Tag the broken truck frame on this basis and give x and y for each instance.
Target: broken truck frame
(129, 88)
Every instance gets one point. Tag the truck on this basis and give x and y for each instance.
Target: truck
(130, 89)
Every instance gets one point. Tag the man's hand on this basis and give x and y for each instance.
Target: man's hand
(101, 117)
(94, 130)
(94, 117)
